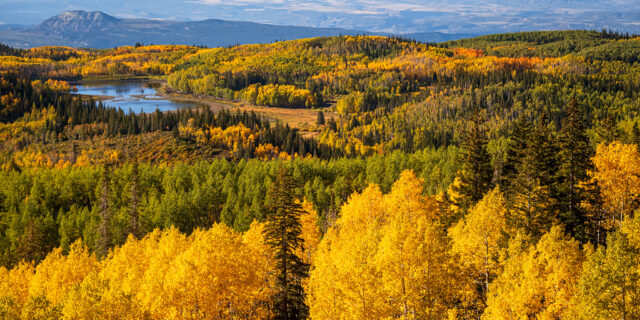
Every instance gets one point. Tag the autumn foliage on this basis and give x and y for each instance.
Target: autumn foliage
(487, 178)
(211, 274)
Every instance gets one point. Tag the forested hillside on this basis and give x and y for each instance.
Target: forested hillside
(488, 178)
(604, 45)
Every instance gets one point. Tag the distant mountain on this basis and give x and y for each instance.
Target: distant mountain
(99, 30)
(13, 27)
(399, 16)
(71, 23)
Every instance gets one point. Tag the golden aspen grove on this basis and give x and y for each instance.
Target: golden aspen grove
(495, 177)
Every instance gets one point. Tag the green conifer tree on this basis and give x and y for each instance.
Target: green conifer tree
(531, 211)
(516, 150)
(575, 154)
(476, 176)
(543, 147)
(283, 234)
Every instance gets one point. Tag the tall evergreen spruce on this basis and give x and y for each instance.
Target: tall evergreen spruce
(575, 154)
(543, 146)
(283, 234)
(531, 181)
(477, 173)
(516, 151)
(531, 211)
(543, 150)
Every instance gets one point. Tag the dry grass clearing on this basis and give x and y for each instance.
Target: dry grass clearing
(298, 118)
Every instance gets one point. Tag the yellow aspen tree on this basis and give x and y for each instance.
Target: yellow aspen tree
(631, 227)
(58, 273)
(412, 258)
(345, 283)
(116, 291)
(53, 280)
(478, 238)
(264, 265)
(95, 297)
(310, 232)
(152, 289)
(609, 287)
(618, 175)
(14, 289)
(453, 198)
(539, 282)
(213, 278)
(386, 257)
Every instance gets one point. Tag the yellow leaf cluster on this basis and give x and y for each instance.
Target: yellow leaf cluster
(538, 283)
(212, 274)
(385, 257)
(618, 175)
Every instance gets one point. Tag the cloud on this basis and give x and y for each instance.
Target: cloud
(319, 6)
(238, 2)
(466, 16)
(128, 15)
(400, 16)
(390, 7)
(363, 7)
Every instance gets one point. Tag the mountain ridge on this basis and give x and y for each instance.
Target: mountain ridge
(78, 21)
(97, 29)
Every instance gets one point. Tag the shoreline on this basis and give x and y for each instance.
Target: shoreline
(214, 103)
(301, 118)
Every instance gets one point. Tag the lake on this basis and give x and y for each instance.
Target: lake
(131, 95)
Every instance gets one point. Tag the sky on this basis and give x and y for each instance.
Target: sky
(399, 16)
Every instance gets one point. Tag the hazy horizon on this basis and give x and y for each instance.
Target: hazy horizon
(405, 16)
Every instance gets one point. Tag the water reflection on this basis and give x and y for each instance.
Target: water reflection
(132, 96)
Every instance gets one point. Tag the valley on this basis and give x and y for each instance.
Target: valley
(359, 176)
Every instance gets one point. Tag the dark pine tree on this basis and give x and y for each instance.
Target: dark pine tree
(542, 145)
(333, 126)
(575, 154)
(283, 234)
(595, 230)
(477, 173)
(320, 119)
(531, 211)
(530, 186)
(516, 151)
(32, 245)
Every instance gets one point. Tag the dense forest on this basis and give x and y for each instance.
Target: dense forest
(488, 178)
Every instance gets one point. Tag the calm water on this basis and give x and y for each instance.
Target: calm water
(131, 95)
